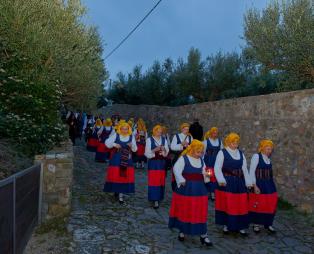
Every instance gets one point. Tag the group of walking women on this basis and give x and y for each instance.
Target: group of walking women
(211, 168)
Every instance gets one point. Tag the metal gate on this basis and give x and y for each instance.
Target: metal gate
(20, 209)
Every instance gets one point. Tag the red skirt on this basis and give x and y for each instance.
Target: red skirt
(140, 149)
(102, 148)
(263, 203)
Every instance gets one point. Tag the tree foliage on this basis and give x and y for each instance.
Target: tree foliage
(220, 76)
(281, 39)
(48, 58)
(278, 56)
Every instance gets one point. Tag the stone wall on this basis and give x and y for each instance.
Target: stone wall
(286, 118)
(57, 180)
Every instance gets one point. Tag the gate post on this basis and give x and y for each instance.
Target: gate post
(40, 192)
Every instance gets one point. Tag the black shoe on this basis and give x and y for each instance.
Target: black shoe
(181, 238)
(206, 241)
(156, 206)
(256, 229)
(225, 231)
(121, 202)
(212, 196)
(243, 233)
(271, 230)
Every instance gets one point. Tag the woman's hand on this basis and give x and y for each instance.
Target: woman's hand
(156, 149)
(256, 190)
(117, 146)
(182, 184)
(184, 143)
(222, 184)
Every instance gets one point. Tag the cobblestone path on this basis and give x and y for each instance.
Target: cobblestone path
(101, 225)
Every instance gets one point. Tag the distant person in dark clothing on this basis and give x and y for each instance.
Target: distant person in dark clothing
(196, 130)
(72, 122)
(79, 127)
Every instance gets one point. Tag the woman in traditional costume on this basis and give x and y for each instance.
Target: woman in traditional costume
(231, 204)
(179, 143)
(92, 141)
(212, 145)
(120, 172)
(156, 151)
(140, 134)
(189, 204)
(165, 135)
(263, 201)
(103, 152)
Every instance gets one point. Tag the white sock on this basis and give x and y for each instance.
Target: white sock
(225, 228)
(156, 203)
(120, 196)
(181, 234)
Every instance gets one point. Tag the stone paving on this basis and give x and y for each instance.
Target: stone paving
(101, 225)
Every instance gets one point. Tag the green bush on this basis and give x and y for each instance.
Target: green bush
(49, 59)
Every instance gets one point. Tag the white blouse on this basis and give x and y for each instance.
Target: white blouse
(148, 151)
(174, 144)
(107, 129)
(110, 142)
(179, 167)
(235, 154)
(135, 133)
(254, 163)
(214, 142)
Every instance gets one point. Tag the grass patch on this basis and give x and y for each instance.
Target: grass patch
(284, 205)
(57, 225)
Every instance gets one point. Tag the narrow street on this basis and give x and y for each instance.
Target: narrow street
(99, 224)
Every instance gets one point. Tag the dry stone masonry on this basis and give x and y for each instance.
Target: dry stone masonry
(286, 118)
(57, 180)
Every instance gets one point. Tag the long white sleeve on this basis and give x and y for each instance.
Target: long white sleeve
(112, 132)
(205, 144)
(253, 166)
(166, 148)
(148, 151)
(174, 144)
(134, 146)
(177, 171)
(100, 131)
(206, 178)
(134, 133)
(245, 171)
(218, 168)
(110, 142)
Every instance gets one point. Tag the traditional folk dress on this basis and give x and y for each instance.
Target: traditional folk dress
(103, 152)
(120, 172)
(231, 205)
(177, 149)
(189, 204)
(92, 141)
(211, 147)
(140, 137)
(262, 207)
(168, 158)
(156, 168)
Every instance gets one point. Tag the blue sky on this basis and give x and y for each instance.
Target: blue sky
(170, 31)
